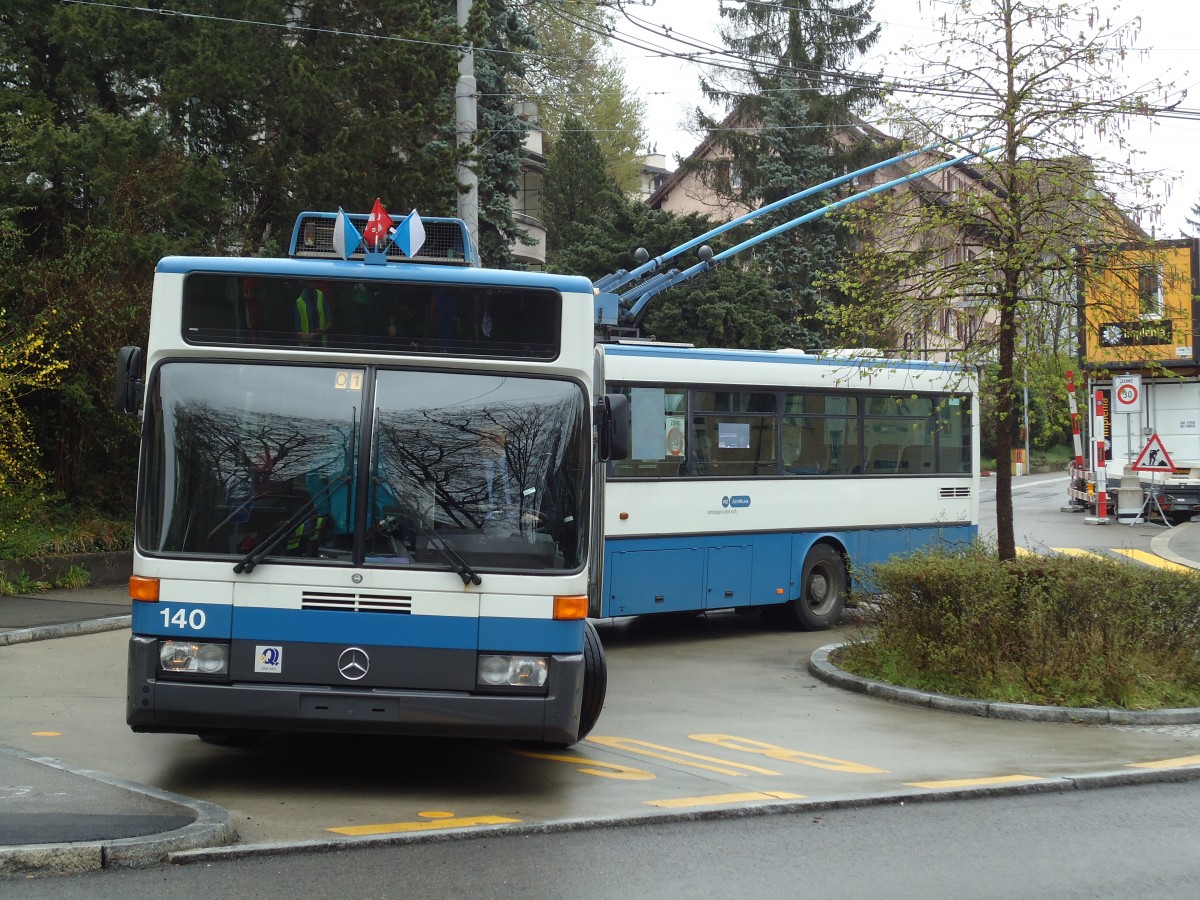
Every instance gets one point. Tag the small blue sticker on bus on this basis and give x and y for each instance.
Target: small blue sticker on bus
(741, 501)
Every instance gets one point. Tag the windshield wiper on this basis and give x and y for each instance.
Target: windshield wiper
(261, 549)
(460, 565)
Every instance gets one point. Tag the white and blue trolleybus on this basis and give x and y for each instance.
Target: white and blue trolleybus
(764, 479)
(365, 499)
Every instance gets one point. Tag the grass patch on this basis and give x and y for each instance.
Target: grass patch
(21, 583)
(34, 526)
(1055, 458)
(1064, 631)
(74, 577)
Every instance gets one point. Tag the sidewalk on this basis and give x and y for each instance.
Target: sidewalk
(58, 819)
(59, 613)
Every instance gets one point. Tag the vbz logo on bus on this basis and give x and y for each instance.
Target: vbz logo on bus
(741, 501)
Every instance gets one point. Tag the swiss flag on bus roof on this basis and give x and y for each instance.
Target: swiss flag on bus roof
(379, 225)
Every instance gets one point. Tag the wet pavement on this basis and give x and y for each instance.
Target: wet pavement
(59, 817)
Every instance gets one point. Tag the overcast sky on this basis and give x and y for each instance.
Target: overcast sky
(1170, 29)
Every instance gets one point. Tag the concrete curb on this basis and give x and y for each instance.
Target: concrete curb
(212, 827)
(1160, 545)
(66, 629)
(821, 668)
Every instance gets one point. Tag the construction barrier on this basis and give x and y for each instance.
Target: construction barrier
(1130, 498)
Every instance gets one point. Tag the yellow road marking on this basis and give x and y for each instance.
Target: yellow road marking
(398, 827)
(1076, 551)
(1166, 763)
(714, 799)
(592, 766)
(1021, 551)
(783, 754)
(46, 733)
(683, 757)
(974, 782)
(1151, 559)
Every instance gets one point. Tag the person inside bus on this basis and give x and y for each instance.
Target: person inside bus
(510, 507)
(314, 316)
(252, 306)
(498, 491)
(357, 317)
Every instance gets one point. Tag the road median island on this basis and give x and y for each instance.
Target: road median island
(822, 665)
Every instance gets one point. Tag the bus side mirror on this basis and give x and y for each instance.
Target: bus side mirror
(612, 417)
(128, 392)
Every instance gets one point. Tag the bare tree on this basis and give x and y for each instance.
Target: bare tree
(996, 243)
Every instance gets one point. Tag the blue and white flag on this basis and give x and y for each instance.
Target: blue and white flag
(409, 235)
(345, 236)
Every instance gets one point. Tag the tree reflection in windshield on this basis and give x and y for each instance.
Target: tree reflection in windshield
(235, 452)
(495, 465)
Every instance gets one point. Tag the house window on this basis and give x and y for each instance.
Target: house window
(1150, 291)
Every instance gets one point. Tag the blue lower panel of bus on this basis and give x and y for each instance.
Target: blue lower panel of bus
(699, 572)
(212, 621)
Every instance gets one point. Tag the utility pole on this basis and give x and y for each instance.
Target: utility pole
(465, 127)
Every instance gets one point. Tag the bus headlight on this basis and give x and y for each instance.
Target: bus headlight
(193, 658)
(496, 670)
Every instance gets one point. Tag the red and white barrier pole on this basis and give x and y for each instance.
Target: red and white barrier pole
(1074, 407)
(1101, 468)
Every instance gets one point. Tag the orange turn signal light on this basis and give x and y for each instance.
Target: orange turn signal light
(144, 589)
(571, 607)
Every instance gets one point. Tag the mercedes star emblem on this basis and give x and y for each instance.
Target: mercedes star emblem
(353, 663)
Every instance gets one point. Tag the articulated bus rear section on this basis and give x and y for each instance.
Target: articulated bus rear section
(761, 479)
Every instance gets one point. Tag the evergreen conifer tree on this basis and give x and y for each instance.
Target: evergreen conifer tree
(791, 111)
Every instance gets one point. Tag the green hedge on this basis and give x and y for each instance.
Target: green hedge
(1070, 631)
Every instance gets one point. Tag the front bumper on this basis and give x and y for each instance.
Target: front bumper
(154, 704)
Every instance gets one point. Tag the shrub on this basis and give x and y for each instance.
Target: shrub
(1058, 630)
(33, 525)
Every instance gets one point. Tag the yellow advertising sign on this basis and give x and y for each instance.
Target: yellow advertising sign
(1139, 304)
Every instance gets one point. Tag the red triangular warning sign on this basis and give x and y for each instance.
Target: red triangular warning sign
(1153, 457)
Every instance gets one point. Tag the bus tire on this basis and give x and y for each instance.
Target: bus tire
(823, 588)
(595, 680)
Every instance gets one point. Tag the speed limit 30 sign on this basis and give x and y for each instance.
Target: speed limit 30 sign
(1127, 393)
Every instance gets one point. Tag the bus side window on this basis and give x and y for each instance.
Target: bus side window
(884, 459)
(916, 459)
(658, 426)
(850, 459)
(701, 451)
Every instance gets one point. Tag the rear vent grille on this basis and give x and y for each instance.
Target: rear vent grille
(350, 602)
(951, 493)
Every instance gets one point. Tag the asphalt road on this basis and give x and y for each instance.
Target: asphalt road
(1118, 843)
(706, 715)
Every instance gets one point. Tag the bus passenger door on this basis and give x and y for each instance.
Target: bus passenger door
(728, 577)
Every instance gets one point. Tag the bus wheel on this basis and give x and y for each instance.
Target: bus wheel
(595, 680)
(822, 591)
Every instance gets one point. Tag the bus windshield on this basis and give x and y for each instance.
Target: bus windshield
(364, 466)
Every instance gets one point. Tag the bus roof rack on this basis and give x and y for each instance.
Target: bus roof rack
(447, 240)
